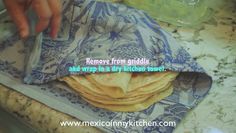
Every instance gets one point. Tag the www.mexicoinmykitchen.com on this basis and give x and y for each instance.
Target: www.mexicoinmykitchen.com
(125, 124)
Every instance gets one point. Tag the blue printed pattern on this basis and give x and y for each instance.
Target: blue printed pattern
(103, 31)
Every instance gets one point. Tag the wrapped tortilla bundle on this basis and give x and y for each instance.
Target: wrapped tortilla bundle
(99, 30)
(124, 92)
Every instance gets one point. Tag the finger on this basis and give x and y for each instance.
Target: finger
(44, 13)
(21, 1)
(18, 16)
(55, 6)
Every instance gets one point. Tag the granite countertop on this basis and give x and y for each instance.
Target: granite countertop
(212, 44)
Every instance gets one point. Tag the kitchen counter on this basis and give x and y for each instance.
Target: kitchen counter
(37, 115)
(212, 44)
(8, 124)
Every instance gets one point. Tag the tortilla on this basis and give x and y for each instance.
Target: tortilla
(143, 79)
(84, 91)
(137, 93)
(134, 107)
(84, 83)
(80, 84)
(113, 84)
(121, 101)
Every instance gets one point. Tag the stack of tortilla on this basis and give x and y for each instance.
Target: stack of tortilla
(126, 92)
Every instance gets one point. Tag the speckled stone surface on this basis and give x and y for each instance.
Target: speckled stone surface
(212, 44)
(40, 117)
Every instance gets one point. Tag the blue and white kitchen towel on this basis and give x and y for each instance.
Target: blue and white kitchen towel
(101, 31)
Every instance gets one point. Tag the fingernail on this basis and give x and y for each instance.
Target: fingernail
(23, 34)
(53, 36)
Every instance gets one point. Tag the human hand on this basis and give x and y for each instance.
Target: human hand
(48, 12)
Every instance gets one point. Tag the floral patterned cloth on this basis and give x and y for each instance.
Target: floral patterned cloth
(102, 31)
